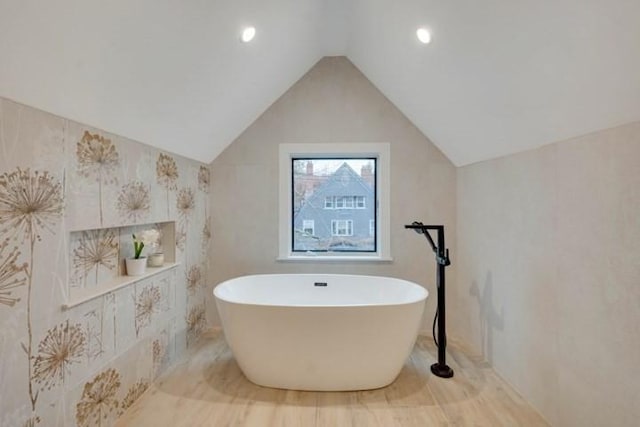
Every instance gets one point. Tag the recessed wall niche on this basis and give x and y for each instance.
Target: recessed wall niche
(97, 259)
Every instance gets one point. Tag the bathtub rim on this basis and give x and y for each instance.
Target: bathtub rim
(421, 289)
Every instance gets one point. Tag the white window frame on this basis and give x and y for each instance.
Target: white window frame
(329, 203)
(355, 202)
(348, 202)
(309, 223)
(372, 223)
(342, 224)
(382, 153)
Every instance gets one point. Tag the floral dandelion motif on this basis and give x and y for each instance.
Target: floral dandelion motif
(97, 156)
(206, 235)
(97, 159)
(98, 399)
(62, 347)
(134, 201)
(134, 393)
(185, 202)
(29, 203)
(146, 305)
(10, 274)
(206, 232)
(194, 275)
(167, 174)
(32, 422)
(181, 239)
(195, 322)
(204, 179)
(167, 171)
(158, 352)
(97, 248)
(93, 323)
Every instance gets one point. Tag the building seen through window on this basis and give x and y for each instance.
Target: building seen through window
(333, 204)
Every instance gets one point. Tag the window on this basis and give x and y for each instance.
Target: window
(308, 226)
(348, 202)
(334, 202)
(331, 181)
(342, 227)
(328, 202)
(344, 202)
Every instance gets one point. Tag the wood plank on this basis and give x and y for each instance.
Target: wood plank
(208, 389)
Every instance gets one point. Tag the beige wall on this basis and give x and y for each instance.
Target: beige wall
(549, 244)
(549, 274)
(58, 179)
(332, 103)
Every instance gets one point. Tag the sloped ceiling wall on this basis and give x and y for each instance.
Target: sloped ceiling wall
(498, 78)
(172, 74)
(503, 77)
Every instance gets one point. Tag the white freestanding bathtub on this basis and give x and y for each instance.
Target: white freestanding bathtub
(322, 332)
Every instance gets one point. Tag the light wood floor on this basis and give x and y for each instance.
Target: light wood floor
(208, 389)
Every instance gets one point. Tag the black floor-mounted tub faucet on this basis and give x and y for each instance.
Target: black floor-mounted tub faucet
(440, 369)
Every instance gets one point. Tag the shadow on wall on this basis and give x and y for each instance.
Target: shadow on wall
(490, 319)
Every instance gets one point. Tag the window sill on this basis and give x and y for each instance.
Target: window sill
(334, 258)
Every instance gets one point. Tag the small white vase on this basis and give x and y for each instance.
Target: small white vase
(136, 267)
(156, 260)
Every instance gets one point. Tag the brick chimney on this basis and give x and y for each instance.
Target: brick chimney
(366, 172)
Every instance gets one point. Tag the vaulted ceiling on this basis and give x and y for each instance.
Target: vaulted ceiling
(499, 76)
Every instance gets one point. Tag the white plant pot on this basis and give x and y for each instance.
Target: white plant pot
(136, 267)
(156, 260)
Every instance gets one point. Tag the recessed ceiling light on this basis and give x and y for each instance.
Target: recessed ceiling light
(423, 35)
(248, 34)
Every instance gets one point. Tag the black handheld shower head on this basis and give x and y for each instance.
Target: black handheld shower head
(420, 228)
(417, 226)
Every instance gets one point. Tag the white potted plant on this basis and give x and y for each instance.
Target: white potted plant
(137, 265)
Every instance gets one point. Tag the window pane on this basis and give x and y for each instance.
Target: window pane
(348, 202)
(333, 204)
(342, 227)
(308, 226)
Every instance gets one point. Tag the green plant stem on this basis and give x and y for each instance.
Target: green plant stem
(137, 247)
